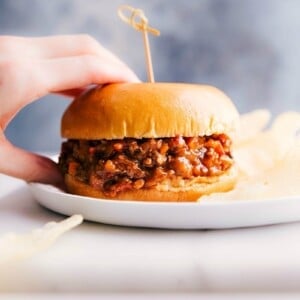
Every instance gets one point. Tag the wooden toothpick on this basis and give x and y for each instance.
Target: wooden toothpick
(138, 21)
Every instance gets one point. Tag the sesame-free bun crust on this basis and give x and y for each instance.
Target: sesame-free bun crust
(190, 193)
(149, 110)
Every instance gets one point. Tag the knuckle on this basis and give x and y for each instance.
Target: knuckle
(9, 44)
(16, 77)
(12, 68)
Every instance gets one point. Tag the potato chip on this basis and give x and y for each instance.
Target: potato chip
(258, 119)
(15, 247)
(268, 147)
(268, 161)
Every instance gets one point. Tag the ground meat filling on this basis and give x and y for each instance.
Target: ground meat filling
(113, 166)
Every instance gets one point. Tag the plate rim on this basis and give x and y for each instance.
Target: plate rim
(223, 214)
(54, 190)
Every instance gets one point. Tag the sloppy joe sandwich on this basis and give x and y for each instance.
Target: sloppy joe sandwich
(149, 142)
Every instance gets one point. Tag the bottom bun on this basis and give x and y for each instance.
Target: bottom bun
(189, 193)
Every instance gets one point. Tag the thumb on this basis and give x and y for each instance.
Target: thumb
(27, 166)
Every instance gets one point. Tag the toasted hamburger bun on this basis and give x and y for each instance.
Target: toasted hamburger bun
(162, 193)
(148, 110)
(152, 110)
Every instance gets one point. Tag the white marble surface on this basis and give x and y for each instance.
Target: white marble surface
(95, 258)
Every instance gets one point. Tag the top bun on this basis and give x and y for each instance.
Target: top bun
(145, 110)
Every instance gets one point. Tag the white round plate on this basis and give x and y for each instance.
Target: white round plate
(200, 215)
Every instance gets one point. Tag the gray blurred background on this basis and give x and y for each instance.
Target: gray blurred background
(248, 48)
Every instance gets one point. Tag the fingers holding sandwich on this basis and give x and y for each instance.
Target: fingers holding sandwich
(34, 67)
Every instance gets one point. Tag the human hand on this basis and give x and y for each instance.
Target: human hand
(33, 67)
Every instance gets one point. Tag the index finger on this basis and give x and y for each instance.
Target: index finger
(28, 79)
(53, 47)
(73, 73)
